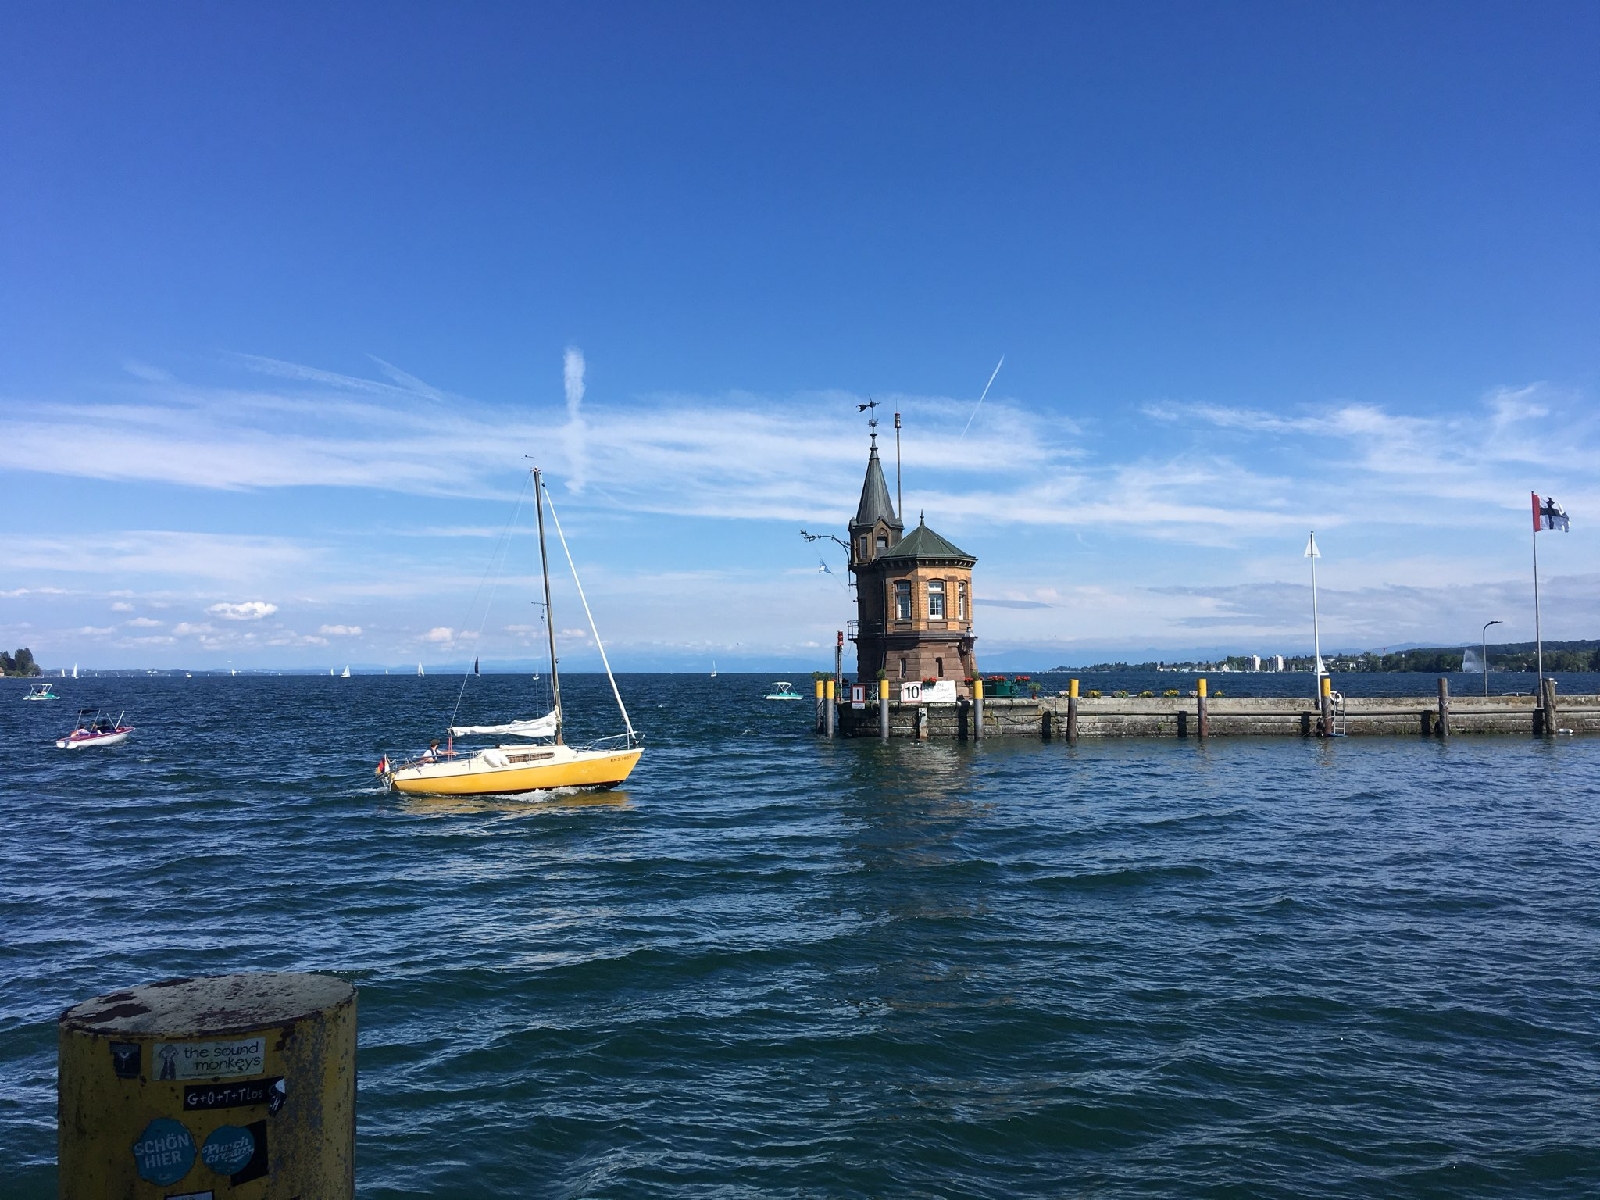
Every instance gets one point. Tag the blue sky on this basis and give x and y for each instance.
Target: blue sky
(286, 297)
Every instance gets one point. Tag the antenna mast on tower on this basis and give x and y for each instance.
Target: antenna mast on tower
(899, 499)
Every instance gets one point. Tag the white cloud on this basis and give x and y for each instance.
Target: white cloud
(121, 606)
(142, 623)
(341, 630)
(189, 629)
(440, 633)
(245, 610)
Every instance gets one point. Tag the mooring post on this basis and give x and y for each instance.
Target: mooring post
(1072, 711)
(883, 709)
(1444, 707)
(830, 708)
(219, 1083)
(977, 709)
(822, 720)
(922, 723)
(1552, 722)
(1203, 724)
(1327, 706)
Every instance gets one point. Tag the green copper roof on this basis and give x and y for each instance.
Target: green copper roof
(923, 542)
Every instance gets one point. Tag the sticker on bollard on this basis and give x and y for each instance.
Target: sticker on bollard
(208, 1060)
(198, 1097)
(228, 1150)
(164, 1152)
(126, 1059)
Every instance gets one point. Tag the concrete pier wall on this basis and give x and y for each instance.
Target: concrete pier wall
(1046, 717)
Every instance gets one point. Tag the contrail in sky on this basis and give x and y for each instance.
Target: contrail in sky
(572, 365)
(979, 404)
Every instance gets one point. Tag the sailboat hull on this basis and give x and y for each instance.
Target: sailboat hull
(483, 774)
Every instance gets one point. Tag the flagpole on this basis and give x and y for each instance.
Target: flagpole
(1316, 630)
(1538, 634)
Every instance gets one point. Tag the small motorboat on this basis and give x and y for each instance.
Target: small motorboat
(41, 691)
(783, 690)
(94, 729)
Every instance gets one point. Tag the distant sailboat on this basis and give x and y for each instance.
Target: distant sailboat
(713, 668)
(419, 669)
(331, 672)
(74, 670)
(346, 674)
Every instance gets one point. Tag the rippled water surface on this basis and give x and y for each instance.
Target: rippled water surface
(779, 966)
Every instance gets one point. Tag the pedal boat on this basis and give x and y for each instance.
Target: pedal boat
(94, 732)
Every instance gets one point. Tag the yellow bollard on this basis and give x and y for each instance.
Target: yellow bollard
(1203, 725)
(237, 1086)
(883, 709)
(1072, 711)
(830, 708)
(977, 709)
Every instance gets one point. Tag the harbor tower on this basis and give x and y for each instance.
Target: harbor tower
(913, 593)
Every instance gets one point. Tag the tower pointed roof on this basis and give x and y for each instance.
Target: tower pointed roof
(875, 503)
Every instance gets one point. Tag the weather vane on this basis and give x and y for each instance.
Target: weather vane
(872, 421)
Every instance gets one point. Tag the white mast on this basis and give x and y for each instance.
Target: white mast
(549, 616)
(1316, 634)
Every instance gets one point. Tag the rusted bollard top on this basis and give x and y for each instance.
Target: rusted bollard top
(214, 1004)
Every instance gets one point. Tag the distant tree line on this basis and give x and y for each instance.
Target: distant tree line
(20, 663)
(1440, 660)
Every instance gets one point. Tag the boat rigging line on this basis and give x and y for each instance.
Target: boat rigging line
(593, 628)
(497, 563)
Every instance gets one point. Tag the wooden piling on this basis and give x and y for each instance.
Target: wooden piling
(1046, 719)
(1552, 719)
(977, 710)
(1072, 711)
(1444, 707)
(883, 709)
(1203, 723)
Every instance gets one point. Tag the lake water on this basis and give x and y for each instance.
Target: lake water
(778, 966)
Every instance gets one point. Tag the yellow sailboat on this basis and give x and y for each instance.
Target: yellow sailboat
(540, 759)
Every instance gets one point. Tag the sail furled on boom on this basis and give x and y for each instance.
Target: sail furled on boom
(537, 727)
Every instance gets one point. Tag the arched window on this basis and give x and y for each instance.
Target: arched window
(902, 600)
(936, 600)
(961, 600)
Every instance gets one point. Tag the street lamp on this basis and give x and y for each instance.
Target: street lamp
(1486, 625)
